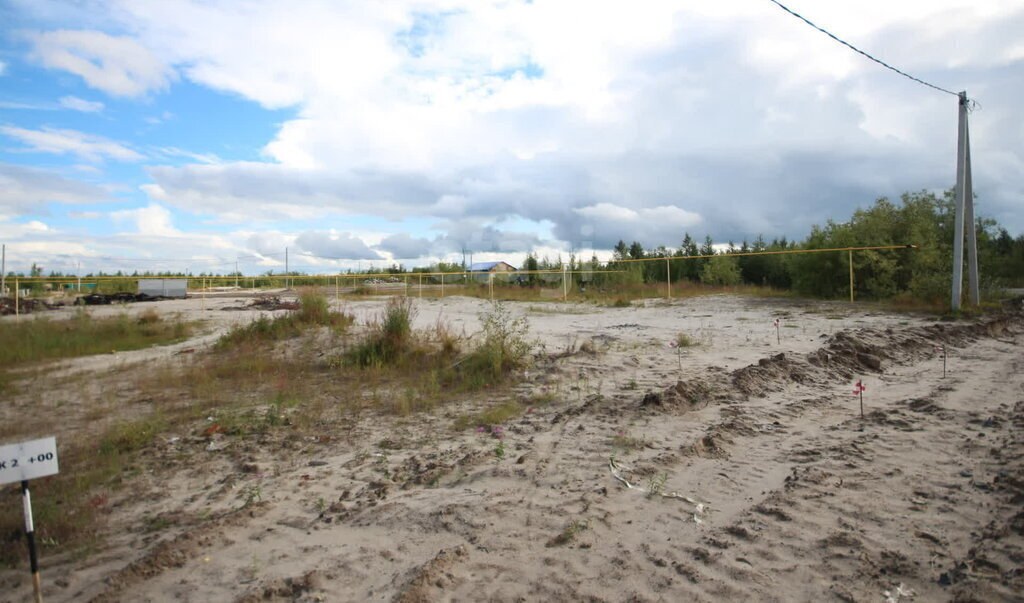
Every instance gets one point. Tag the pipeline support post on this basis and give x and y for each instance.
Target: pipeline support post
(668, 278)
(850, 259)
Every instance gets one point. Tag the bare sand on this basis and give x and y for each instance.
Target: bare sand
(754, 476)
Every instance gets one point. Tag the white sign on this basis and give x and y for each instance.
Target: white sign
(28, 460)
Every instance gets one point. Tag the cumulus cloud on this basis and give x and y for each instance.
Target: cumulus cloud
(638, 122)
(402, 245)
(153, 220)
(78, 104)
(117, 65)
(61, 142)
(335, 245)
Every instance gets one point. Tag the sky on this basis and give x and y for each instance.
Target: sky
(191, 135)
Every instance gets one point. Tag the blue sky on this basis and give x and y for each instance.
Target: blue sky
(180, 133)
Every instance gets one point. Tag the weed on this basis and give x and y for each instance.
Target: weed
(252, 495)
(129, 436)
(570, 532)
(499, 450)
(631, 384)
(504, 347)
(656, 484)
(389, 339)
(494, 415)
(683, 340)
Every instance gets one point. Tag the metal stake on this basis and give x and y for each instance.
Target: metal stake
(30, 536)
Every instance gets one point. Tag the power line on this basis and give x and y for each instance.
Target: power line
(855, 49)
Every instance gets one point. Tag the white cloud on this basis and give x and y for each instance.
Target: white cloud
(153, 220)
(117, 65)
(3, 68)
(591, 121)
(85, 215)
(77, 104)
(335, 245)
(25, 190)
(207, 158)
(86, 146)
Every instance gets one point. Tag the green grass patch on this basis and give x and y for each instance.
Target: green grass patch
(495, 415)
(44, 339)
(314, 310)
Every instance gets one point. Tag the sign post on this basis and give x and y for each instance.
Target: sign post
(20, 463)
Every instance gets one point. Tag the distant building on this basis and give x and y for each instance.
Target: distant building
(481, 271)
(491, 267)
(164, 287)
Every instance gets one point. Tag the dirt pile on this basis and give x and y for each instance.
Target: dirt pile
(844, 355)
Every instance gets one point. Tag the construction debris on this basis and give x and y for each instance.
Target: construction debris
(100, 299)
(26, 305)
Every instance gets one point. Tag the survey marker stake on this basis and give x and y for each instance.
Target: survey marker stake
(20, 463)
(858, 390)
(778, 339)
(942, 349)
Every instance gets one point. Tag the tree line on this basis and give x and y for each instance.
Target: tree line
(918, 218)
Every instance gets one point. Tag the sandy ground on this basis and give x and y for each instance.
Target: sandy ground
(753, 475)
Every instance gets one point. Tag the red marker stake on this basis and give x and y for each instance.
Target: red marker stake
(778, 339)
(859, 391)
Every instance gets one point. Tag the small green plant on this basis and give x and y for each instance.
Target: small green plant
(631, 384)
(499, 450)
(656, 484)
(570, 532)
(129, 436)
(494, 415)
(252, 495)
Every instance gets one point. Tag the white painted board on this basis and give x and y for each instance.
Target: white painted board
(28, 460)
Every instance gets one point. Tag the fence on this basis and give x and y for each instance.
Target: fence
(419, 282)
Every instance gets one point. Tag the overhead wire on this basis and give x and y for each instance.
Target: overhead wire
(858, 50)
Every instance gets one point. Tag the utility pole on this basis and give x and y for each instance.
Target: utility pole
(964, 216)
(3, 270)
(236, 273)
(286, 267)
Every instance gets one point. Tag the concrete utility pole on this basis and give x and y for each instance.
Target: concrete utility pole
(964, 215)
